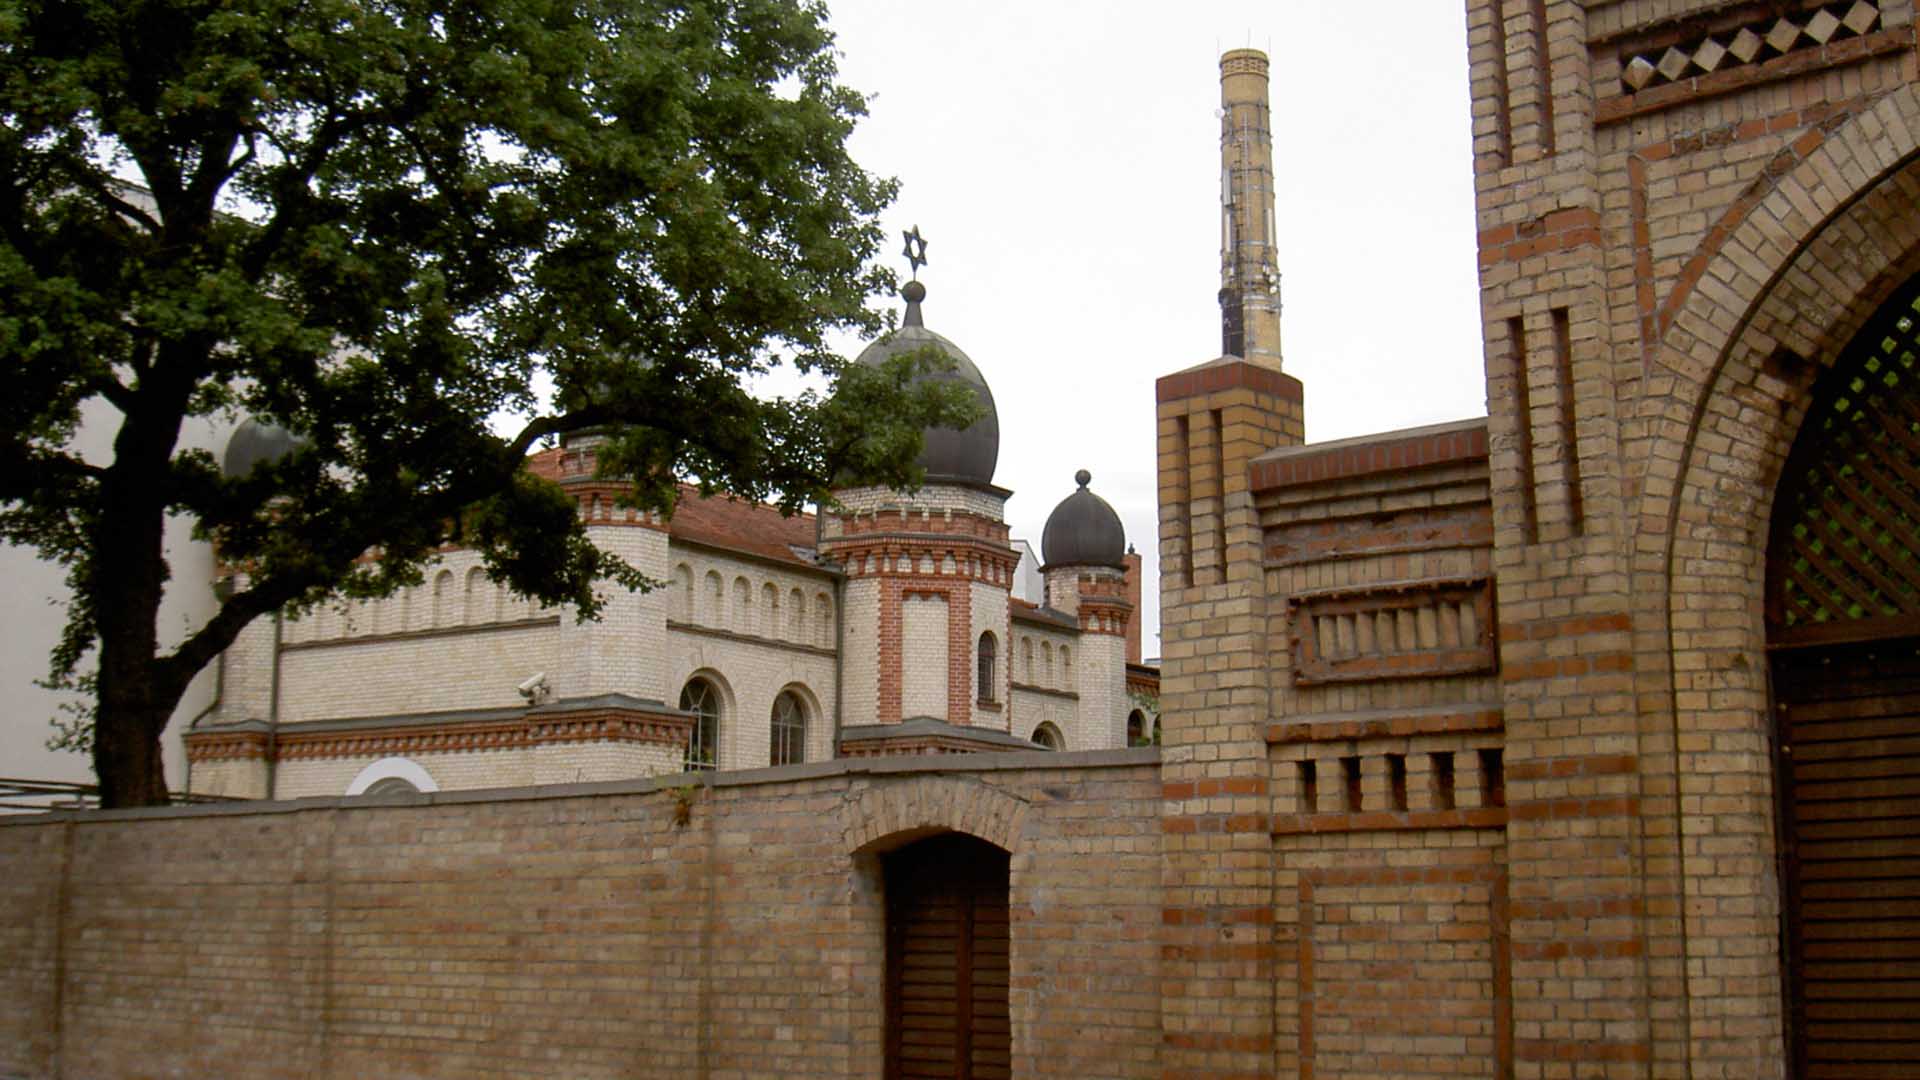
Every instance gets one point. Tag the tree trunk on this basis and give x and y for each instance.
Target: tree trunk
(127, 757)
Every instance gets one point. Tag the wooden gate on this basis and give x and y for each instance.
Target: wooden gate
(1849, 741)
(947, 960)
(1843, 624)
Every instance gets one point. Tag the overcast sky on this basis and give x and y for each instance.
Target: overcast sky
(1062, 161)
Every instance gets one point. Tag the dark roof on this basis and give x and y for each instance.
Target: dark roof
(1083, 531)
(253, 442)
(1031, 612)
(967, 456)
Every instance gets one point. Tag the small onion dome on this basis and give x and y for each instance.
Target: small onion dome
(967, 456)
(256, 441)
(1083, 531)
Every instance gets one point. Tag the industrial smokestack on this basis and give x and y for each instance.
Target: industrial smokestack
(1249, 268)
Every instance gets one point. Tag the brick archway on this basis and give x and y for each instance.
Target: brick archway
(1785, 281)
(893, 813)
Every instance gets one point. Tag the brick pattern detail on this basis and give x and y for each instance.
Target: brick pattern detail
(1417, 630)
(1354, 458)
(1734, 50)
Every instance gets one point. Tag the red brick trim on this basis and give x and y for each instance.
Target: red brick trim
(1217, 916)
(205, 746)
(1206, 789)
(1578, 909)
(596, 725)
(1557, 667)
(1229, 375)
(1557, 230)
(1485, 817)
(1476, 720)
(1560, 948)
(1558, 768)
(1572, 626)
(1299, 544)
(1388, 454)
(1573, 808)
(1580, 1050)
(1217, 823)
(1619, 107)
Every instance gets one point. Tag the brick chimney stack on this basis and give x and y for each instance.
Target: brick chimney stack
(1249, 266)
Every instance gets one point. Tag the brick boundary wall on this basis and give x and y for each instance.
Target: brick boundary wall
(728, 924)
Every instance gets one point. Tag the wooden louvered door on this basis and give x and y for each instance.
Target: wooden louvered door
(947, 960)
(1849, 740)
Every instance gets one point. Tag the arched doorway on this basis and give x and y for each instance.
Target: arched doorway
(947, 953)
(1843, 629)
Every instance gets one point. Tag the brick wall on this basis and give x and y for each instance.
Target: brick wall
(574, 933)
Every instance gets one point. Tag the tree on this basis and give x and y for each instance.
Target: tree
(379, 225)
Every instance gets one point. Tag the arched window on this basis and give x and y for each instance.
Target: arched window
(389, 775)
(796, 615)
(742, 606)
(703, 742)
(392, 785)
(823, 613)
(475, 597)
(1026, 657)
(1047, 737)
(789, 730)
(1066, 667)
(716, 613)
(769, 610)
(1137, 729)
(1046, 659)
(987, 651)
(683, 590)
(443, 598)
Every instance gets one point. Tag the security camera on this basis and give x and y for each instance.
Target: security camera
(534, 688)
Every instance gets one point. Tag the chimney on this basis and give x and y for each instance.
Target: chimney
(1249, 268)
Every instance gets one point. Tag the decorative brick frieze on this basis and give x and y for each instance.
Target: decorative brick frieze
(293, 744)
(206, 746)
(1409, 630)
(1735, 49)
(402, 736)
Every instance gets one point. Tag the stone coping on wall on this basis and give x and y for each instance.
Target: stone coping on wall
(943, 764)
(1389, 451)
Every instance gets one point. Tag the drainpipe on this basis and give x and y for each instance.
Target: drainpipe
(839, 628)
(273, 715)
(219, 690)
(839, 655)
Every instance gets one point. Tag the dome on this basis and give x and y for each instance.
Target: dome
(256, 441)
(967, 456)
(1083, 531)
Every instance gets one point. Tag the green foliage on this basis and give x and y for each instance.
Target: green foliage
(381, 224)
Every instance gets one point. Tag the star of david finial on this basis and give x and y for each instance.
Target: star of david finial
(916, 251)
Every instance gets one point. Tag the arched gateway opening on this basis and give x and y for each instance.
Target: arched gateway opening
(947, 960)
(1843, 628)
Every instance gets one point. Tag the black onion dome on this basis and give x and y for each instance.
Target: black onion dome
(967, 456)
(1083, 531)
(254, 442)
